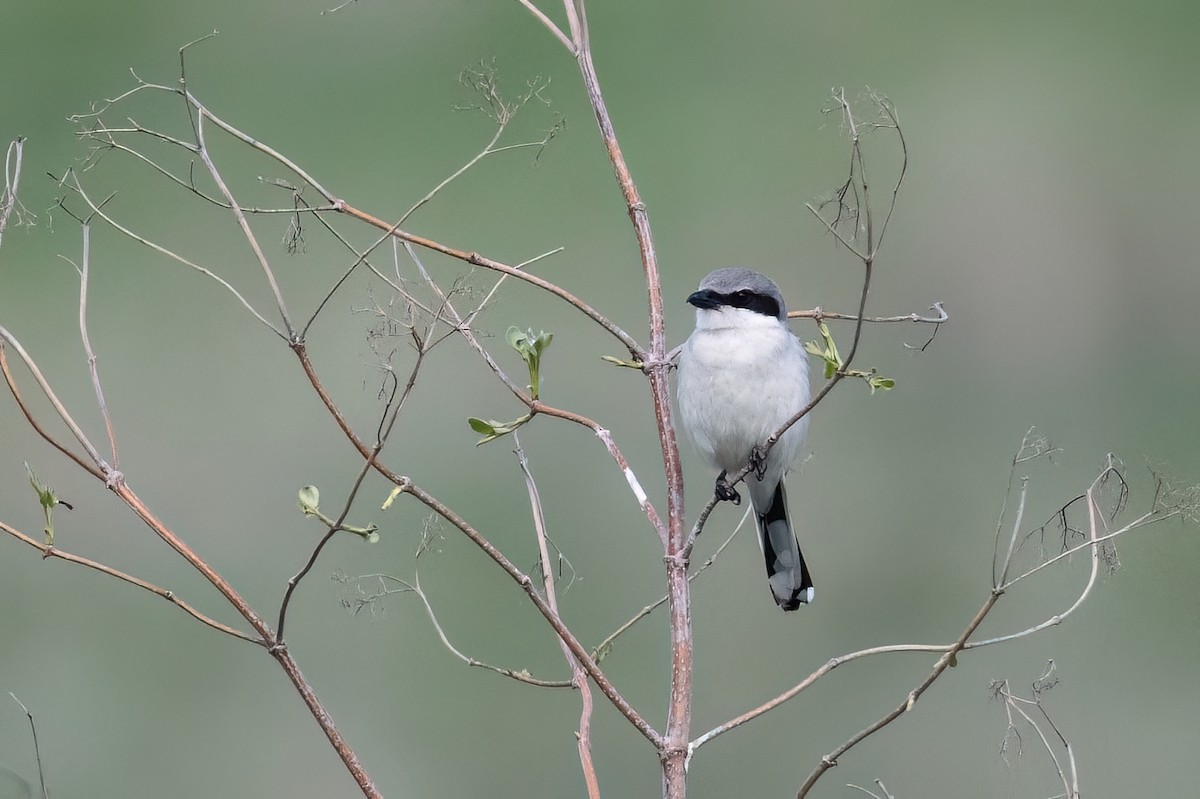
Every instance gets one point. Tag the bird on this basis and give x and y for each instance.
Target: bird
(741, 376)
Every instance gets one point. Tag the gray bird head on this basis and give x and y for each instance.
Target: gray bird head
(738, 287)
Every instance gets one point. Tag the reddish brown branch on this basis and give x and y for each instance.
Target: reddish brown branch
(943, 663)
(407, 486)
(578, 676)
(527, 585)
(49, 551)
(674, 746)
(475, 259)
(118, 486)
(33, 422)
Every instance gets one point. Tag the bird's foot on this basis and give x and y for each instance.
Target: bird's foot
(726, 492)
(758, 461)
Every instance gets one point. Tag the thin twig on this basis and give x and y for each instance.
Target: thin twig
(87, 347)
(1033, 446)
(243, 223)
(118, 486)
(463, 326)
(578, 675)
(414, 587)
(944, 662)
(475, 259)
(12, 181)
(602, 649)
(97, 211)
(362, 257)
(822, 315)
(673, 745)
(1068, 775)
(406, 486)
(190, 186)
(1094, 542)
(549, 23)
(49, 551)
(11, 382)
(387, 422)
(948, 658)
(37, 750)
(59, 408)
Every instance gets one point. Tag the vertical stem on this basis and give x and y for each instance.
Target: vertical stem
(674, 746)
(679, 712)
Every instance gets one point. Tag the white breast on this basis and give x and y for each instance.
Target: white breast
(742, 375)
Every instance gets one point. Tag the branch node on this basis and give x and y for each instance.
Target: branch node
(677, 560)
(673, 752)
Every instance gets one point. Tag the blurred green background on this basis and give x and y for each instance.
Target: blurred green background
(1051, 204)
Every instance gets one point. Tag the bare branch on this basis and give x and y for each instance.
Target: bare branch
(1016, 706)
(944, 662)
(87, 347)
(502, 113)
(116, 483)
(476, 259)
(11, 382)
(883, 791)
(578, 675)
(463, 326)
(821, 315)
(406, 486)
(601, 650)
(549, 23)
(386, 424)
(98, 211)
(50, 551)
(12, 181)
(59, 408)
(414, 587)
(1095, 541)
(673, 745)
(242, 222)
(37, 751)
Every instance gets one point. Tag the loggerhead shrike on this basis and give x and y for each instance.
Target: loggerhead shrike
(742, 374)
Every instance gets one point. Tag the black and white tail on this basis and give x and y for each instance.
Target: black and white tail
(787, 573)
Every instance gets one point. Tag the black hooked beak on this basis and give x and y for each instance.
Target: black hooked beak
(706, 298)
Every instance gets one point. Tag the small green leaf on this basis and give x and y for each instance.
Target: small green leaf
(515, 337)
(492, 429)
(45, 494)
(310, 498)
(482, 426)
(622, 362)
(885, 383)
(828, 352)
(530, 347)
(48, 500)
(391, 497)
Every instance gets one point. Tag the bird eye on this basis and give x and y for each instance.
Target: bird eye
(742, 294)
